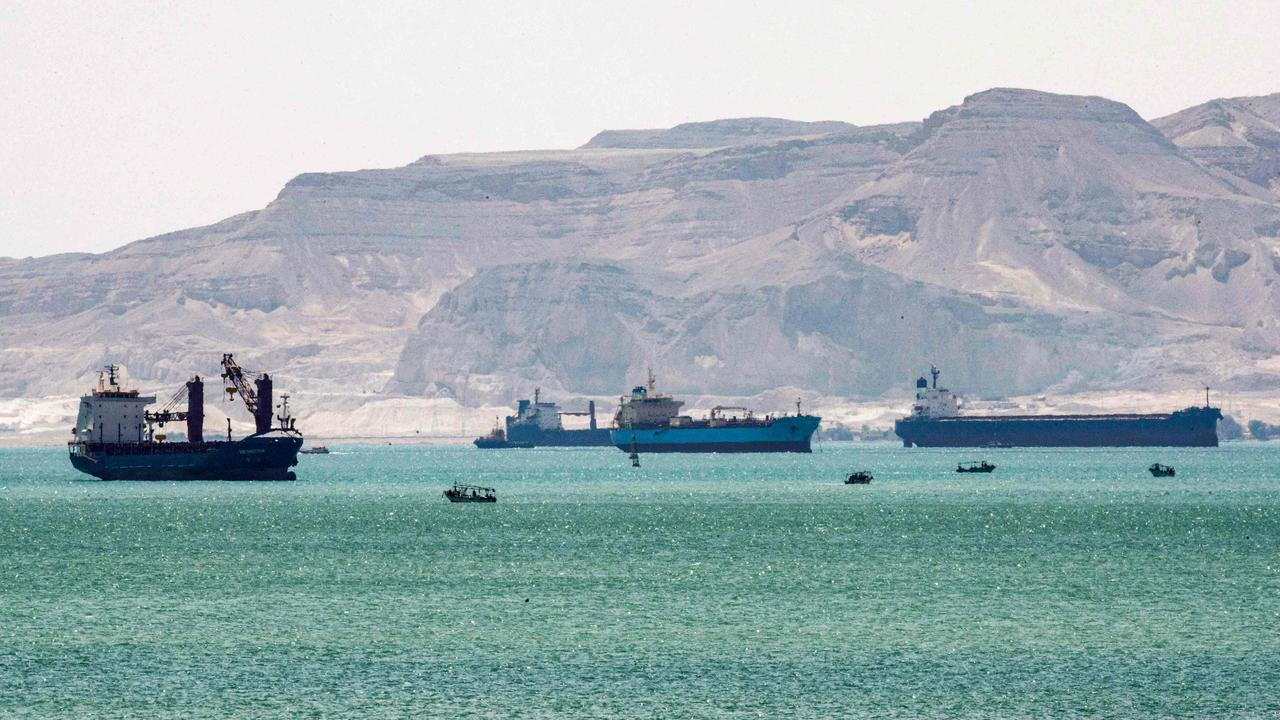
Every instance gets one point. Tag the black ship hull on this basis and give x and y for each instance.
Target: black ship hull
(1193, 427)
(268, 456)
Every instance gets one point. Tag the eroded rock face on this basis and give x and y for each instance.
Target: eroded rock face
(849, 330)
(1066, 202)
(1240, 136)
(1022, 240)
(349, 262)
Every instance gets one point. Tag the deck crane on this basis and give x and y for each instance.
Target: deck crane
(256, 397)
(590, 411)
(168, 412)
(193, 393)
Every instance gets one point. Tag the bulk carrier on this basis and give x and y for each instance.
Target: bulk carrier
(650, 421)
(116, 437)
(935, 421)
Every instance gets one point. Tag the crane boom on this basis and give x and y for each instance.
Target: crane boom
(256, 395)
(238, 377)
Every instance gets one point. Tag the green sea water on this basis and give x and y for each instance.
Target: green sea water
(1069, 583)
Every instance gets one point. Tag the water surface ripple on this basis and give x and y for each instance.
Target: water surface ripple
(1068, 583)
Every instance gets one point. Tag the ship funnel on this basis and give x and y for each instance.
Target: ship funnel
(195, 410)
(262, 413)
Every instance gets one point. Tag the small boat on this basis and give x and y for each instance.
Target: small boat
(497, 440)
(470, 493)
(862, 477)
(975, 466)
(1159, 470)
(317, 450)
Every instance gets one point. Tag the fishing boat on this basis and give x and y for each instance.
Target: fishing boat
(861, 477)
(460, 493)
(1158, 470)
(975, 466)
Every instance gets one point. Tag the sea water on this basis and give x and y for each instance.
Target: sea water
(1068, 583)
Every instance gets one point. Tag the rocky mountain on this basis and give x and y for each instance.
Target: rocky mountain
(718, 133)
(1240, 136)
(1023, 241)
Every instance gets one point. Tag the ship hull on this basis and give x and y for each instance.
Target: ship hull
(1193, 427)
(268, 456)
(484, 444)
(782, 435)
(538, 437)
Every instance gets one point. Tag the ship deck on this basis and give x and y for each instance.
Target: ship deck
(1006, 418)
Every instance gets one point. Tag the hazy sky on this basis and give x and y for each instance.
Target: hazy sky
(124, 120)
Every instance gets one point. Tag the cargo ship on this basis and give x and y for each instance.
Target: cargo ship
(540, 424)
(117, 438)
(936, 421)
(650, 421)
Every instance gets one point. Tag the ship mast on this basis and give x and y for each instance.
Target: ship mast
(933, 370)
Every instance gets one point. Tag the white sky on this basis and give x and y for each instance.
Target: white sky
(119, 121)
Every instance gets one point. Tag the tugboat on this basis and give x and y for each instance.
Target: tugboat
(460, 493)
(116, 438)
(1158, 470)
(317, 450)
(862, 477)
(975, 466)
(497, 440)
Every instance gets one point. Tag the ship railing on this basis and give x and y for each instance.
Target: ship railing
(144, 448)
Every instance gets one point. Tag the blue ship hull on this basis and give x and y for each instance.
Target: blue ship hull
(1192, 427)
(785, 434)
(530, 433)
(268, 456)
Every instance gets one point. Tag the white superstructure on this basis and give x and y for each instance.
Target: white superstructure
(933, 401)
(111, 414)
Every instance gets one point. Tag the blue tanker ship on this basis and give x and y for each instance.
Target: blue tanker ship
(649, 421)
(116, 437)
(935, 421)
(539, 424)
